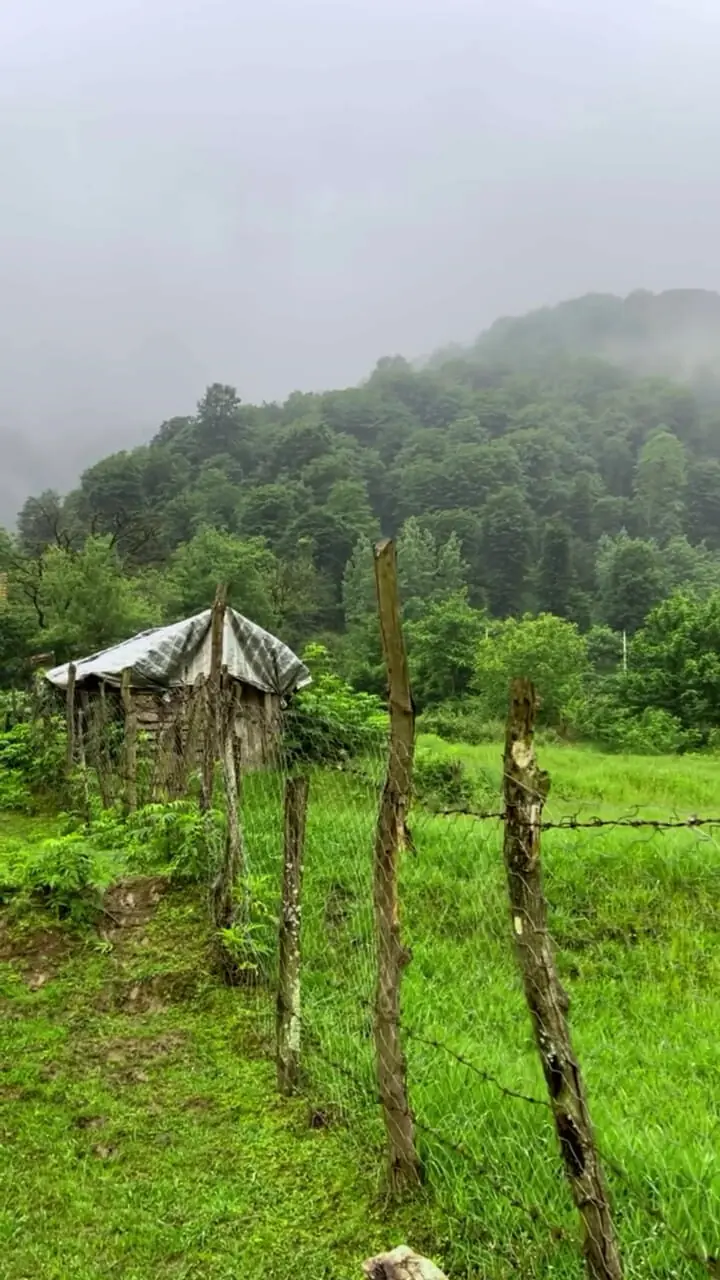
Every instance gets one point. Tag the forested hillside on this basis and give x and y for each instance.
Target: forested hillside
(523, 476)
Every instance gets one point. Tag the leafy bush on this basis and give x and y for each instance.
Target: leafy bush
(32, 758)
(250, 943)
(174, 837)
(329, 721)
(603, 719)
(653, 733)
(550, 651)
(442, 782)
(16, 706)
(461, 722)
(67, 872)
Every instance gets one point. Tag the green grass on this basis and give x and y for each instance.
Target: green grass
(587, 782)
(153, 1143)
(636, 919)
(206, 1173)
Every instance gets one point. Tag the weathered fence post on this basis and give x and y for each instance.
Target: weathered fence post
(232, 866)
(131, 729)
(100, 726)
(213, 695)
(390, 838)
(70, 717)
(525, 788)
(288, 1002)
(82, 760)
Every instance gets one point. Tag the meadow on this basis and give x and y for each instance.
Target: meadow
(142, 1134)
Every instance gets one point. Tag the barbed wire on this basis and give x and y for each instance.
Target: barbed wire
(709, 1262)
(575, 823)
(483, 1170)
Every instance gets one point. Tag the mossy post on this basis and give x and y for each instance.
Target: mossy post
(226, 909)
(131, 741)
(70, 718)
(101, 752)
(212, 729)
(288, 1001)
(390, 839)
(526, 787)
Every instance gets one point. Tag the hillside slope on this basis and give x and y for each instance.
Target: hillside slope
(675, 333)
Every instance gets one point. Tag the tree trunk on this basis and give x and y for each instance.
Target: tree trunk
(389, 840)
(526, 787)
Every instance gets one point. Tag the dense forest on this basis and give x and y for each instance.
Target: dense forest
(546, 500)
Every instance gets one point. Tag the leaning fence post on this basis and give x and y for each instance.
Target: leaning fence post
(525, 788)
(232, 866)
(213, 717)
(130, 740)
(390, 838)
(70, 717)
(82, 760)
(288, 1002)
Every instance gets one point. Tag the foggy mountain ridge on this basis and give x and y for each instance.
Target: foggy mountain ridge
(675, 333)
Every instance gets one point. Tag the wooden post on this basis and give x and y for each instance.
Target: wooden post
(288, 1002)
(130, 741)
(232, 867)
(103, 759)
(82, 760)
(70, 717)
(525, 788)
(390, 838)
(213, 694)
(193, 734)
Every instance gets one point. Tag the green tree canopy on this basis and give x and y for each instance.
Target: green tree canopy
(548, 650)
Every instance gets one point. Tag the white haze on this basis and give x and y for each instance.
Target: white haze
(275, 195)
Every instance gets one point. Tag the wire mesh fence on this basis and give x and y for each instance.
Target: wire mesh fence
(634, 918)
(633, 902)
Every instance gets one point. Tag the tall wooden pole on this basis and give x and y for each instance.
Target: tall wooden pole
(213, 699)
(70, 717)
(131, 734)
(390, 839)
(288, 1003)
(526, 787)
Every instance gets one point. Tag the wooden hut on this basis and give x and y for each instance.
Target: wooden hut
(167, 668)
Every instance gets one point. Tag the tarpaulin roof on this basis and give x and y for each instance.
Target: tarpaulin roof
(179, 653)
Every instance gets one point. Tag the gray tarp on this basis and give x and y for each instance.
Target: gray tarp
(179, 653)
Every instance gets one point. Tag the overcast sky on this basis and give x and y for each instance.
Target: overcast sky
(274, 193)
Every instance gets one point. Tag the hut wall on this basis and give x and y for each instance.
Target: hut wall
(167, 716)
(257, 727)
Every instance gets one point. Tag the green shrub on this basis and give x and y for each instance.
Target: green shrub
(461, 722)
(175, 837)
(67, 872)
(16, 706)
(251, 942)
(442, 782)
(605, 720)
(32, 761)
(329, 722)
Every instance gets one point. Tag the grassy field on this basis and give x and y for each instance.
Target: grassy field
(192, 1167)
(140, 1131)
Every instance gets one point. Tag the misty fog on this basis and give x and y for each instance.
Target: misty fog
(276, 195)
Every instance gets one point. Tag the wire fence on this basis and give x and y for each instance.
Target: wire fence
(634, 920)
(635, 926)
(408, 1017)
